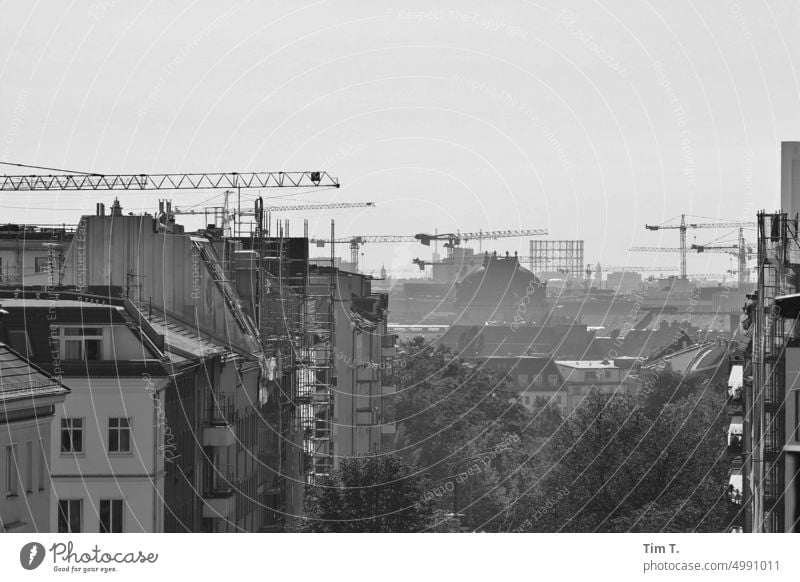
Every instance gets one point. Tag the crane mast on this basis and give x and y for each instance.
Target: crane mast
(684, 226)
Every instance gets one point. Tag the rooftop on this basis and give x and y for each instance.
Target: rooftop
(587, 364)
(19, 378)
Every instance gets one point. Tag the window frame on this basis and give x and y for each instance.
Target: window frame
(68, 516)
(41, 264)
(12, 470)
(113, 516)
(82, 337)
(72, 450)
(119, 430)
(28, 467)
(43, 472)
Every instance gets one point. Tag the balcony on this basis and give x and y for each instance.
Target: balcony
(735, 484)
(221, 411)
(736, 383)
(735, 434)
(389, 429)
(219, 504)
(219, 436)
(218, 498)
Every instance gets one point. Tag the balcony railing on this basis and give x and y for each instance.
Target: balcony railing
(221, 410)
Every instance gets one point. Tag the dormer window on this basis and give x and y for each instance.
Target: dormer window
(82, 343)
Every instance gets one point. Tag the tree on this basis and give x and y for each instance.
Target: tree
(457, 422)
(626, 471)
(369, 494)
(660, 387)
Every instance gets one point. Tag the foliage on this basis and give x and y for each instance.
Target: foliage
(369, 494)
(616, 463)
(628, 472)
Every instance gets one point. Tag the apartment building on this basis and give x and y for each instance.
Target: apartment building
(764, 482)
(29, 397)
(528, 380)
(106, 464)
(32, 252)
(365, 363)
(219, 475)
(582, 376)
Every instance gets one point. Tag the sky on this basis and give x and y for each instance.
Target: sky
(590, 121)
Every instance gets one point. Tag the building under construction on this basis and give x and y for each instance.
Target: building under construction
(765, 373)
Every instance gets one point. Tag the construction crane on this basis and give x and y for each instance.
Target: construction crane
(453, 239)
(226, 214)
(203, 181)
(290, 208)
(80, 181)
(684, 226)
(609, 268)
(741, 250)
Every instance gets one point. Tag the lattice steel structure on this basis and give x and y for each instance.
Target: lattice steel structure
(200, 181)
(563, 256)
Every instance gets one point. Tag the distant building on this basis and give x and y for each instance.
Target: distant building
(623, 281)
(528, 380)
(32, 253)
(500, 291)
(583, 376)
(28, 399)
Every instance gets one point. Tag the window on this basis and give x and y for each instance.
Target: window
(522, 379)
(29, 467)
(552, 379)
(539, 380)
(19, 341)
(364, 417)
(590, 376)
(119, 435)
(41, 264)
(43, 475)
(797, 415)
(527, 400)
(71, 435)
(609, 375)
(12, 477)
(82, 343)
(111, 515)
(69, 515)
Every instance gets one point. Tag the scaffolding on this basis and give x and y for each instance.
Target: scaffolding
(557, 256)
(764, 403)
(297, 326)
(317, 392)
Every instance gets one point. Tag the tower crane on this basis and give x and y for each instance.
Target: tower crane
(684, 226)
(70, 181)
(453, 239)
(201, 181)
(741, 250)
(227, 213)
(649, 268)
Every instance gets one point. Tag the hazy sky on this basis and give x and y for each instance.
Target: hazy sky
(590, 121)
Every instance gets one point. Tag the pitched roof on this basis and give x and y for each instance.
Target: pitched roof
(20, 378)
